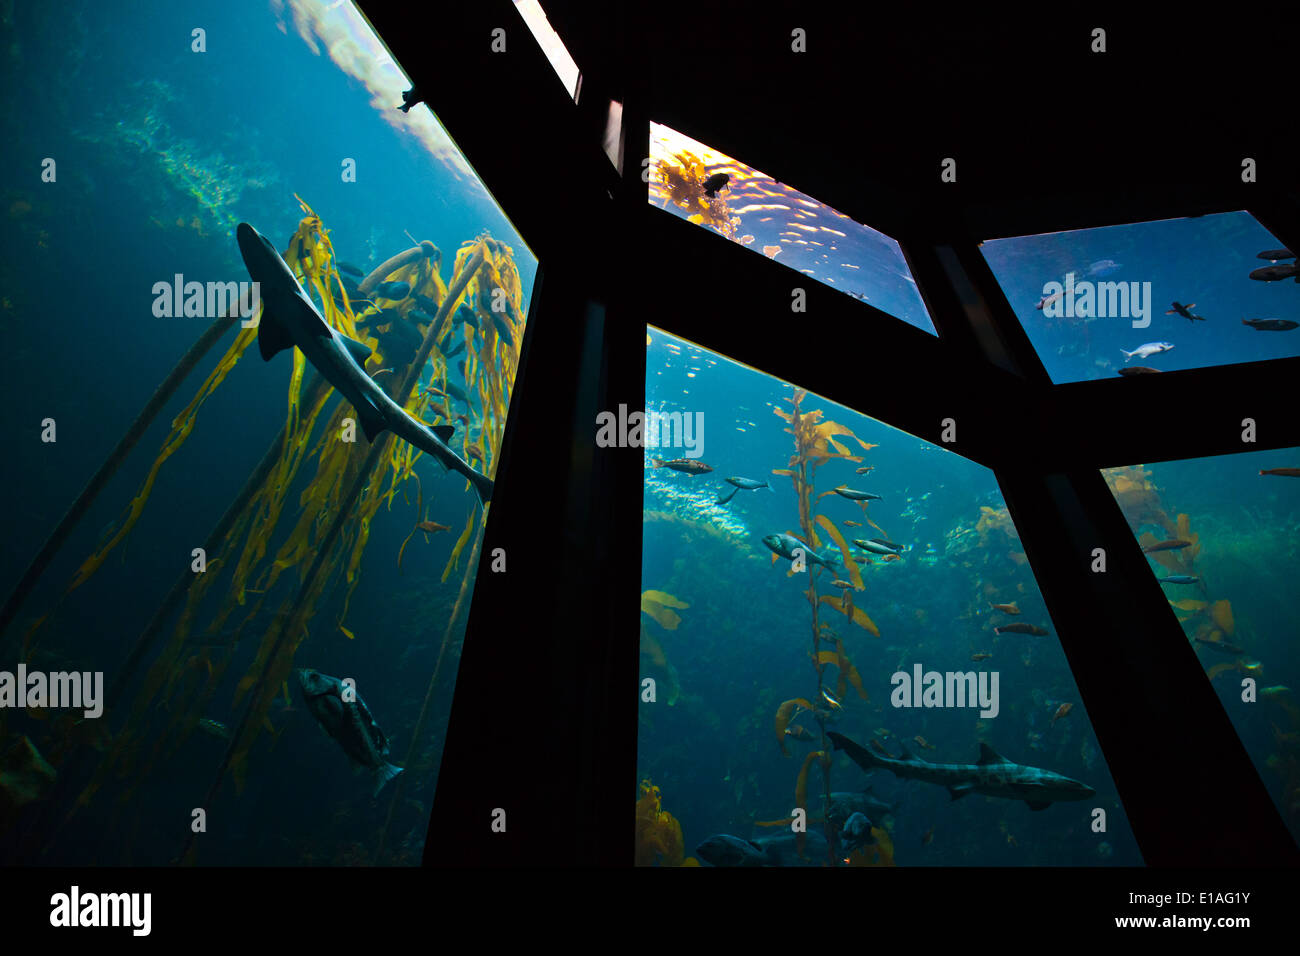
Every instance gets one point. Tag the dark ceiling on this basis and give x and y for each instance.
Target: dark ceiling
(1028, 112)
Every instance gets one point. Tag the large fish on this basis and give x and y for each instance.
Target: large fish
(290, 319)
(785, 545)
(1147, 350)
(993, 775)
(349, 722)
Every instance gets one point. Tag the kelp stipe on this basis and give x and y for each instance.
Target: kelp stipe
(816, 443)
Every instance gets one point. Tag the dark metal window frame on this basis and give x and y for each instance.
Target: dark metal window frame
(543, 724)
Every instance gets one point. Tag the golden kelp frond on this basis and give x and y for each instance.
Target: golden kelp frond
(1221, 614)
(854, 574)
(995, 519)
(848, 670)
(459, 546)
(783, 715)
(1189, 604)
(651, 647)
(858, 615)
(658, 834)
(657, 604)
(1218, 669)
(801, 783)
(801, 794)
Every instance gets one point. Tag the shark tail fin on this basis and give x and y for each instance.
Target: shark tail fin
(383, 774)
(727, 497)
(483, 486)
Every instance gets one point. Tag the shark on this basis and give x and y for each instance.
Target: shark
(290, 319)
(993, 775)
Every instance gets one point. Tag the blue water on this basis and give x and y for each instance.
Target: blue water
(160, 153)
(744, 642)
(1206, 261)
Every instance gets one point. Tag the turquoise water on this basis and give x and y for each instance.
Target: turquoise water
(160, 152)
(744, 642)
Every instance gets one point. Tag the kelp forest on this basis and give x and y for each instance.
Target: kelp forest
(283, 562)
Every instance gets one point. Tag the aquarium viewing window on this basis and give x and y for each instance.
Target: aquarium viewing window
(697, 183)
(551, 45)
(883, 580)
(1220, 535)
(1151, 296)
(272, 567)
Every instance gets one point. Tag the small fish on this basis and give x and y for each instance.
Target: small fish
(1277, 690)
(1020, 629)
(1277, 273)
(1139, 370)
(923, 743)
(797, 732)
(1283, 472)
(864, 469)
(460, 347)
(502, 326)
(831, 700)
(688, 466)
(749, 484)
(1185, 311)
(879, 546)
(1048, 300)
(432, 526)
(1147, 350)
(1061, 711)
(474, 451)
(215, 727)
(786, 544)
(1006, 608)
(1223, 646)
(351, 270)
(856, 495)
(1180, 579)
(467, 315)
(1171, 545)
(1104, 267)
(714, 183)
(1271, 325)
(837, 583)
(1272, 255)
(981, 656)
(928, 837)
(427, 304)
(393, 290)
(853, 524)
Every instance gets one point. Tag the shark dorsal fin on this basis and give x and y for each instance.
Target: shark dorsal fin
(989, 755)
(272, 336)
(445, 433)
(358, 350)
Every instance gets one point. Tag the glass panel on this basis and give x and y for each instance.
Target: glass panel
(727, 639)
(1221, 534)
(268, 533)
(551, 44)
(1167, 295)
(709, 188)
